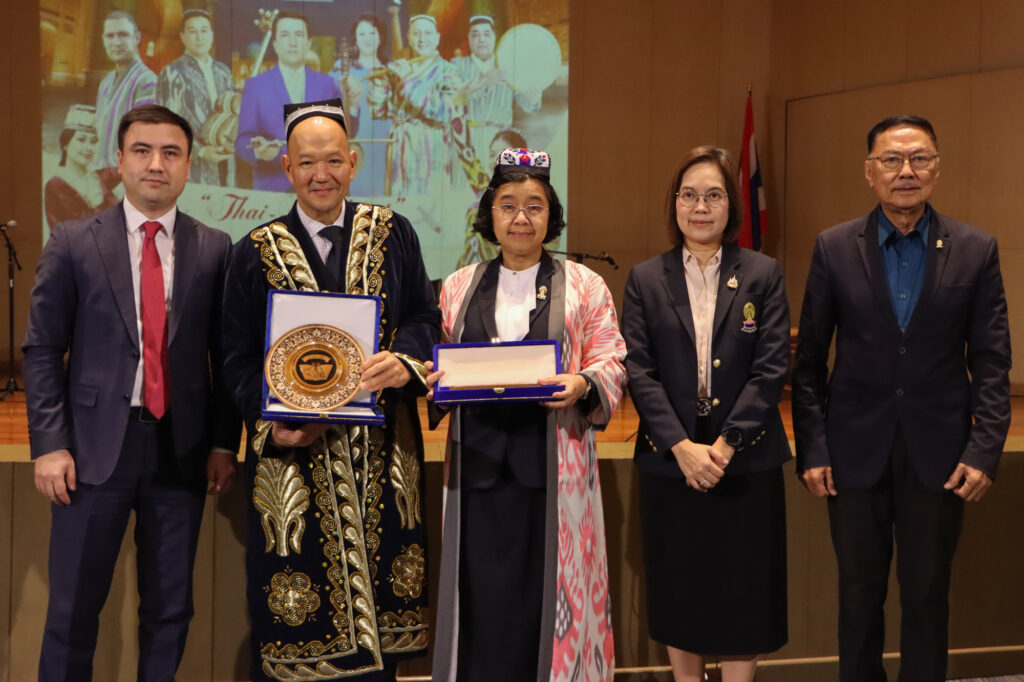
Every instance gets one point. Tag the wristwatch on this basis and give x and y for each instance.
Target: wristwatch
(733, 438)
(586, 391)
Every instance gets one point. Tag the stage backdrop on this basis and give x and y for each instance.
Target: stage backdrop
(426, 128)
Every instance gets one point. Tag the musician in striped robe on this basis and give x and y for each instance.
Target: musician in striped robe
(489, 95)
(129, 85)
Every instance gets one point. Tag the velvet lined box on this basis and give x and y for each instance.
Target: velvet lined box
(357, 316)
(496, 372)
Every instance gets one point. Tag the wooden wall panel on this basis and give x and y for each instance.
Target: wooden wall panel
(873, 34)
(1000, 44)
(6, 549)
(942, 37)
(997, 147)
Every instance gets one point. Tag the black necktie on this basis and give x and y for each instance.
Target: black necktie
(335, 263)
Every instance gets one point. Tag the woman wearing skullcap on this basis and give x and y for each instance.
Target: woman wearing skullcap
(524, 571)
(707, 330)
(77, 190)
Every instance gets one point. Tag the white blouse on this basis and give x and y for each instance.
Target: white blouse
(702, 288)
(515, 300)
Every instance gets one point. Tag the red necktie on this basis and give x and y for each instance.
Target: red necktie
(155, 393)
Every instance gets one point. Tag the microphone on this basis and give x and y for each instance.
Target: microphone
(9, 223)
(608, 259)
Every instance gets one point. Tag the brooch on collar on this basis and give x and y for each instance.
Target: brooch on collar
(542, 293)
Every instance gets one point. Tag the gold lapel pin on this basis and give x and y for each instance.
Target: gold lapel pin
(938, 243)
(733, 282)
(542, 292)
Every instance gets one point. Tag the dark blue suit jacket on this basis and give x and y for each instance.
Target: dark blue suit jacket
(262, 113)
(949, 368)
(661, 358)
(83, 306)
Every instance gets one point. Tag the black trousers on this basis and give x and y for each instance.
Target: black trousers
(85, 539)
(926, 526)
(501, 582)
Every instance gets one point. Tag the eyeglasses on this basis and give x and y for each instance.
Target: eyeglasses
(510, 211)
(713, 197)
(894, 162)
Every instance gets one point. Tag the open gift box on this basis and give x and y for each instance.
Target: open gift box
(315, 343)
(496, 372)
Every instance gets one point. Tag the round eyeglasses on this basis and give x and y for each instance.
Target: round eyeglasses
(510, 211)
(713, 197)
(891, 161)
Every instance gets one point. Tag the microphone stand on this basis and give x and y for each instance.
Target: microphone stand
(12, 263)
(579, 257)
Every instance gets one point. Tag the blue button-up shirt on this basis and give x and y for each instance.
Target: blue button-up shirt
(904, 258)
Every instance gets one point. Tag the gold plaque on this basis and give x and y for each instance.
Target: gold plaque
(314, 368)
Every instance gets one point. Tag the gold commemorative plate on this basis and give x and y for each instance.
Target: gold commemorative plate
(314, 368)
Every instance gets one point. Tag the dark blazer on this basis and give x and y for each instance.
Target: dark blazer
(949, 367)
(748, 367)
(83, 306)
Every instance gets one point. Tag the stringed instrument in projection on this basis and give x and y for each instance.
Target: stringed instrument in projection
(221, 128)
(345, 57)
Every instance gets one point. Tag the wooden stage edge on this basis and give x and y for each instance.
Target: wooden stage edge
(615, 442)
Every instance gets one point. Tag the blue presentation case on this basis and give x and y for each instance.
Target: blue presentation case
(359, 316)
(496, 372)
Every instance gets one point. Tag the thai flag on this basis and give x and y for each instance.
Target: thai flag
(755, 208)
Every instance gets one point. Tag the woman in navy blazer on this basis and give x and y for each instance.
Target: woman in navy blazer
(706, 326)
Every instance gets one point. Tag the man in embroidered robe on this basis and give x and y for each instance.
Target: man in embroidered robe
(129, 85)
(336, 538)
(190, 86)
(260, 140)
(490, 97)
(124, 413)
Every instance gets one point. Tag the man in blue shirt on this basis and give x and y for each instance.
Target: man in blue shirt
(912, 420)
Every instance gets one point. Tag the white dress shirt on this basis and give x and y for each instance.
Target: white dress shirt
(164, 240)
(702, 288)
(313, 227)
(515, 300)
(294, 82)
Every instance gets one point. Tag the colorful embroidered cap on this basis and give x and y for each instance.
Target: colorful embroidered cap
(81, 117)
(328, 108)
(529, 161)
(481, 19)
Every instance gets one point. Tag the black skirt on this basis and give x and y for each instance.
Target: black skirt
(716, 563)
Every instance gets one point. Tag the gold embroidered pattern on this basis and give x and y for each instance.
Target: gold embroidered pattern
(281, 497)
(292, 597)
(371, 506)
(407, 572)
(283, 256)
(259, 438)
(403, 632)
(370, 229)
(405, 472)
(345, 511)
(307, 673)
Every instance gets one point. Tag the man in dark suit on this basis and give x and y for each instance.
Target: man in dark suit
(137, 418)
(912, 421)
